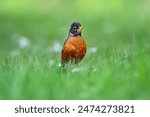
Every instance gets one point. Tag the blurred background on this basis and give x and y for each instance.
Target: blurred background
(38, 29)
(44, 22)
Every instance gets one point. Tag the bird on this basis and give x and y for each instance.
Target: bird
(74, 48)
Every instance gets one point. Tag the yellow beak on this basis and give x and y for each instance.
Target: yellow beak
(80, 29)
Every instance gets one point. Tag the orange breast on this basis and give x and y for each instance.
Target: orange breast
(74, 49)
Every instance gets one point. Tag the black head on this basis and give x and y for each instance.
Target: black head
(75, 29)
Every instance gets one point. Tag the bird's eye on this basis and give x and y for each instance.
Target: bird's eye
(75, 28)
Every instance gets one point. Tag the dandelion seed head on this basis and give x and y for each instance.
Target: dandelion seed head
(14, 53)
(23, 42)
(57, 47)
(92, 50)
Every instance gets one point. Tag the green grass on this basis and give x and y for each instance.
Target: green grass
(119, 69)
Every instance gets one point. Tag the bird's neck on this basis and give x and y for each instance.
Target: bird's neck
(74, 35)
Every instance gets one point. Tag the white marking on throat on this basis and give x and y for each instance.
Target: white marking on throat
(70, 34)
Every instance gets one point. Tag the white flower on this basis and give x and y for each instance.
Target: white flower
(92, 50)
(23, 42)
(57, 47)
(14, 53)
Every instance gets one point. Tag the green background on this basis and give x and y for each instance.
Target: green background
(117, 63)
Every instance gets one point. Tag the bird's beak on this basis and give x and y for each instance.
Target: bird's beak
(80, 28)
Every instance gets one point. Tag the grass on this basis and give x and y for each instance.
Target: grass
(117, 69)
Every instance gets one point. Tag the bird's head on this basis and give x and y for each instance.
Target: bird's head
(75, 29)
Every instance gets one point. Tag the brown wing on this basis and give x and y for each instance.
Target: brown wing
(67, 52)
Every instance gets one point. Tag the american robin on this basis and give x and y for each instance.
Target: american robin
(74, 47)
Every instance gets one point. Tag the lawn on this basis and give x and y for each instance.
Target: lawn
(116, 65)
